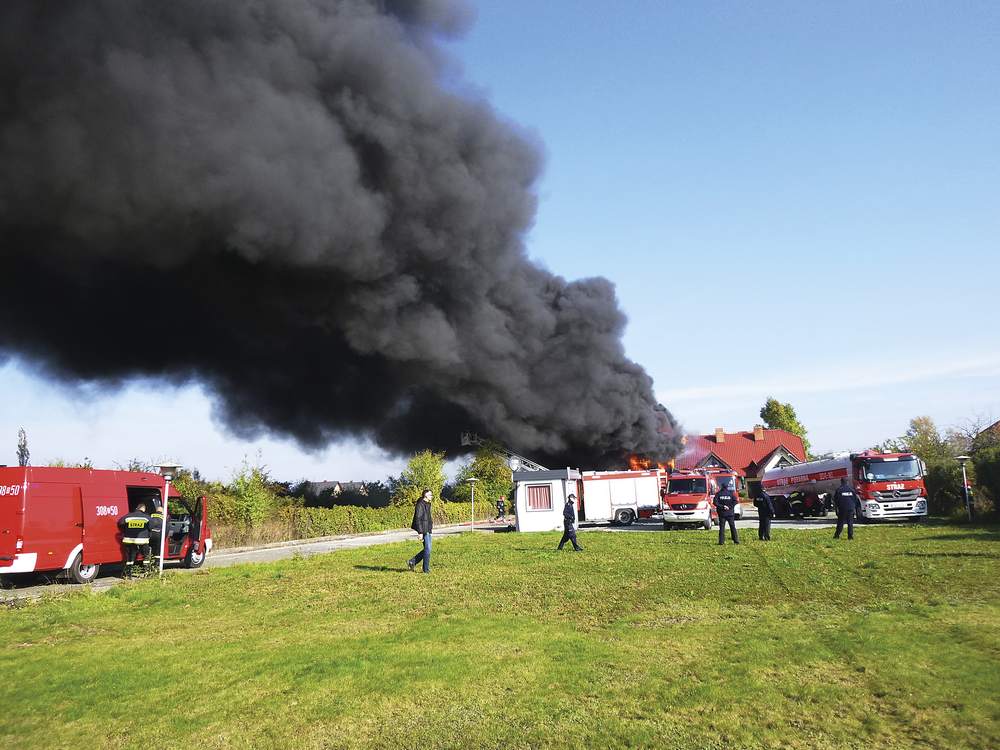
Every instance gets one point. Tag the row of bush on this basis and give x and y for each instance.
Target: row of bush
(310, 522)
(297, 522)
(251, 509)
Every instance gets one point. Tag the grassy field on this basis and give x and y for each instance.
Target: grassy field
(643, 640)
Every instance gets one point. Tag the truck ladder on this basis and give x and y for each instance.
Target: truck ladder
(523, 464)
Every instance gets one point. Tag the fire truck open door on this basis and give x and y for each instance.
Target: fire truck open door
(100, 537)
(198, 523)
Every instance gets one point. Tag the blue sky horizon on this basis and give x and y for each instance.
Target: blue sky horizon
(793, 200)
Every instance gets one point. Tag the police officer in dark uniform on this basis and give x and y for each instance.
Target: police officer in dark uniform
(765, 512)
(847, 502)
(155, 533)
(569, 518)
(135, 536)
(725, 505)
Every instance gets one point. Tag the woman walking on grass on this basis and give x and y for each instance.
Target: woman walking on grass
(423, 525)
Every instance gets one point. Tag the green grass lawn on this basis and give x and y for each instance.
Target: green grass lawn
(643, 640)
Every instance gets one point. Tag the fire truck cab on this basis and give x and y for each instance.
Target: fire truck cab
(66, 519)
(688, 496)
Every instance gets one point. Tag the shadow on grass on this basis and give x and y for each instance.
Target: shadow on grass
(382, 569)
(988, 555)
(986, 536)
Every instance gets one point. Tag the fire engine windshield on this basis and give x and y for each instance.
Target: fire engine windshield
(882, 471)
(687, 486)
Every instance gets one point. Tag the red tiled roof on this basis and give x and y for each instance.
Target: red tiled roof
(739, 450)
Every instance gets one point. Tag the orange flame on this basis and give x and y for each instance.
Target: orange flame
(638, 463)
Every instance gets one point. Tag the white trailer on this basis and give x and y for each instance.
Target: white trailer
(539, 497)
(621, 496)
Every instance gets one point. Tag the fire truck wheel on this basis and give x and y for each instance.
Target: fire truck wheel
(625, 517)
(81, 573)
(667, 526)
(194, 559)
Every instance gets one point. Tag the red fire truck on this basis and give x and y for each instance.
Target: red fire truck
(890, 485)
(67, 519)
(688, 496)
(619, 496)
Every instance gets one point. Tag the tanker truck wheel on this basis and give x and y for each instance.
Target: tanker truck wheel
(194, 559)
(81, 573)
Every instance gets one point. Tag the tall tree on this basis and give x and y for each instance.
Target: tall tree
(944, 474)
(779, 416)
(23, 454)
(492, 474)
(923, 438)
(424, 470)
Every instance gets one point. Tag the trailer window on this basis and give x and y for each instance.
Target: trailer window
(687, 486)
(539, 497)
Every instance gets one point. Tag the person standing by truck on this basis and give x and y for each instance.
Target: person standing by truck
(765, 512)
(156, 533)
(725, 506)
(569, 521)
(135, 536)
(423, 524)
(848, 503)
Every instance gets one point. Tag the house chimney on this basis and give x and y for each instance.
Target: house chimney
(720, 435)
(758, 433)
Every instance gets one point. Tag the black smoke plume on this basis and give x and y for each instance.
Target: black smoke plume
(298, 195)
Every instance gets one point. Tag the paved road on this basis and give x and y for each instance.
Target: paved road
(29, 587)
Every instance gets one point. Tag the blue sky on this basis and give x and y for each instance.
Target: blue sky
(793, 199)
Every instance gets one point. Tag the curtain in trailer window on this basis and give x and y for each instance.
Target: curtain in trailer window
(539, 497)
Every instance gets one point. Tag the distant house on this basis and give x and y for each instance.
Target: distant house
(751, 452)
(987, 437)
(313, 490)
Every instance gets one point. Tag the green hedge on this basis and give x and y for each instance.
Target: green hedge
(311, 522)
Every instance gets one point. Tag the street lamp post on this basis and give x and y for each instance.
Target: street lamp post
(168, 472)
(965, 485)
(472, 483)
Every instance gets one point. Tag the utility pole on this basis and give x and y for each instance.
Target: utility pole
(472, 483)
(965, 485)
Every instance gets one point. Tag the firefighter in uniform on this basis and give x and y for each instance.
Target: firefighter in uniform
(155, 533)
(501, 508)
(135, 536)
(569, 530)
(765, 512)
(847, 503)
(725, 505)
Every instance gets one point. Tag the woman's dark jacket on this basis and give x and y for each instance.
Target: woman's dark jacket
(422, 523)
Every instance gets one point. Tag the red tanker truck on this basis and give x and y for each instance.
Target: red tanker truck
(55, 519)
(890, 485)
